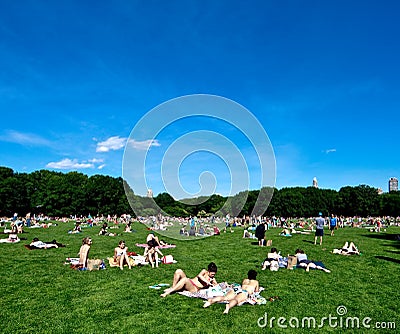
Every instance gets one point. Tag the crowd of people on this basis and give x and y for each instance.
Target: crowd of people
(253, 227)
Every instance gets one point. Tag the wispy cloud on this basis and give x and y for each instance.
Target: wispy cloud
(13, 136)
(95, 160)
(331, 150)
(69, 164)
(101, 166)
(143, 145)
(111, 144)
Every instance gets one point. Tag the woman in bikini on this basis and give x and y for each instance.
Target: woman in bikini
(121, 256)
(203, 280)
(237, 295)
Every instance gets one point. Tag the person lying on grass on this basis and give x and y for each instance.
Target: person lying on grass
(121, 256)
(347, 249)
(36, 243)
(203, 280)
(237, 295)
(303, 262)
(11, 239)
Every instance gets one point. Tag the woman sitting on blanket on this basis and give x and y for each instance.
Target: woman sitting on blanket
(347, 249)
(203, 280)
(302, 261)
(238, 295)
(151, 252)
(151, 236)
(121, 256)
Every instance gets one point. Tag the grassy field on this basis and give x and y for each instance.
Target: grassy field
(42, 295)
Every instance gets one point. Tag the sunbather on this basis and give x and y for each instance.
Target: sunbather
(271, 257)
(12, 238)
(36, 243)
(302, 261)
(84, 252)
(347, 249)
(203, 280)
(121, 256)
(151, 252)
(238, 295)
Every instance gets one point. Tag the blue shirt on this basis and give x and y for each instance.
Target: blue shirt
(333, 221)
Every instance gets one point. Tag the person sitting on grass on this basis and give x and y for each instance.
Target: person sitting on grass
(121, 256)
(285, 233)
(303, 262)
(237, 295)
(152, 236)
(84, 252)
(272, 256)
(347, 249)
(128, 228)
(103, 231)
(151, 252)
(77, 228)
(204, 279)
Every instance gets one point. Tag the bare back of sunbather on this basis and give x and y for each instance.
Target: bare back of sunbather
(250, 286)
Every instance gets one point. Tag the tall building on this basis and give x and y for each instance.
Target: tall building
(315, 182)
(149, 193)
(393, 184)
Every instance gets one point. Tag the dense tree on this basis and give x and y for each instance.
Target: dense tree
(63, 194)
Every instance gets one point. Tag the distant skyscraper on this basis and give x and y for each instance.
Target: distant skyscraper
(315, 182)
(149, 193)
(393, 184)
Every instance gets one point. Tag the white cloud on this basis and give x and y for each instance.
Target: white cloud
(143, 145)
(24, 138)
(69, 164)
(101, 166)
(330, 150)
(113, 143)
(95, 160)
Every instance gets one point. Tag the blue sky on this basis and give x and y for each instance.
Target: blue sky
(321, 77)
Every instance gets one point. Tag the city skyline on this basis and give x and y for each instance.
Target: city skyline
(320, 78)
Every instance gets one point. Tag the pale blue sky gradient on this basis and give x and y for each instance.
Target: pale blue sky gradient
(322, 77)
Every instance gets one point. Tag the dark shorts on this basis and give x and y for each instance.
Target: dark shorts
(332, 227)
(319, 232)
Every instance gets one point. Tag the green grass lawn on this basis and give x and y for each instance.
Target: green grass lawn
(42, 295)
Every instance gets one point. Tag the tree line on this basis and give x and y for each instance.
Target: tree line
(59, 194)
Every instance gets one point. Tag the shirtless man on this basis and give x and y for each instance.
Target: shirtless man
(84, 252)
(203, 280)
(238, 295)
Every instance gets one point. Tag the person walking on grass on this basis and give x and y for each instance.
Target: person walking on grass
(319, 232)
(332, 224)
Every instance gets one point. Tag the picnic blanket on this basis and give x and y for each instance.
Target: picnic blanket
(163, 246)
(222, 289)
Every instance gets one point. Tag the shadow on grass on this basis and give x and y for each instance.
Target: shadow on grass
(383, 236)
(386, 258)
(309, 241)
(390, 251)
